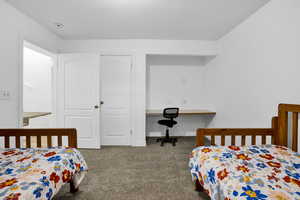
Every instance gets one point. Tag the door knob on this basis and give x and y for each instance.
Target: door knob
(96, 106)
(101, 102)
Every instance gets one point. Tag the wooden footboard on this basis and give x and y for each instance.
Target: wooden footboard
(17, 134)
(39, 133)
(278, 132)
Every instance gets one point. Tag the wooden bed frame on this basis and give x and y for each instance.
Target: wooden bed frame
(278, 132)
(39, 133)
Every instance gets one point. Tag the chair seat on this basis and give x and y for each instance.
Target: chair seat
(168, 123)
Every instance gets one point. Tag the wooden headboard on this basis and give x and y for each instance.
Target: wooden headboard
(18, 134)
(278, 132)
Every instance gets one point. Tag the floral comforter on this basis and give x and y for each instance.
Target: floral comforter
(250, 172)
(37, 173)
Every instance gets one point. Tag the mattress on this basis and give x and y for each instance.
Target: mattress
(38, 173)
(249, 172)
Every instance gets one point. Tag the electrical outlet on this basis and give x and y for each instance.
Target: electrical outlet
(4, 95)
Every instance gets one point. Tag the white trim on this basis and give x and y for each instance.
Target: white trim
(54, 91)
(141, 143)
(162, 134)
(102, 52)
(30, 45)
(20, 84)
(24, 42)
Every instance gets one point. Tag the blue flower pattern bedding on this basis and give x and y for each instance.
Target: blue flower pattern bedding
(248, 172)
(37, 173)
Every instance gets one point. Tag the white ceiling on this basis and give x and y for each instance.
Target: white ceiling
(140, 19)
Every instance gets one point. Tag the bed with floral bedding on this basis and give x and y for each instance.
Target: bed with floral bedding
(38, 173)
(247, 172)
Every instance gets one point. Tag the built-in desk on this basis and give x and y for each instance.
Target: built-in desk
(189, 121)
(30, 115)
(183, 112)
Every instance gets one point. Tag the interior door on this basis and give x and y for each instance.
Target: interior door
(81, 97)
(116, 100)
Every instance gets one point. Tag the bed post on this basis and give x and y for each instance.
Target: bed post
(275, 139)
(282, 125)
(198, 186)
(283, 110)
(73, 189)
(72, 138)
(200, 139)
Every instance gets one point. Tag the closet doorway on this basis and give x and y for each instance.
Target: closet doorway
(96, 98)
(38, 105)
(38, 87)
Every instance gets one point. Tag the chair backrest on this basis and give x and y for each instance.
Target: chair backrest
(171, 113)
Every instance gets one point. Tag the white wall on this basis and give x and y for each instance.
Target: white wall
(185, 47)
(176, 81)
(139, 49)
(257, 68)
(37, 72)
(14, 27)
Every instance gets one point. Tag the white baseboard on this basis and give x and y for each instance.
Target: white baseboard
(159, 134)
(141, 143)
(154, 134)
(190, 134)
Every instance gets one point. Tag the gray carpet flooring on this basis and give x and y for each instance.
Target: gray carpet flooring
(137, 173)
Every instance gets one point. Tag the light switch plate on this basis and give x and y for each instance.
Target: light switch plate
(4, 95)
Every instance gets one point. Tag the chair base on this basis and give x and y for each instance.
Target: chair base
(167, 140)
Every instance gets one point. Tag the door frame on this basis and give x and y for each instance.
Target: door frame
(131, 139)
(24, 42)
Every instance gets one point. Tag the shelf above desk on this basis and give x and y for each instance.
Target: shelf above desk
(153, 112)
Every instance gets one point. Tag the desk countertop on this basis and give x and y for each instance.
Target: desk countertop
(30, 115)
(182, 112)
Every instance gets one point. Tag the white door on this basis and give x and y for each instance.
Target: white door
(81, 97)
(116, 100)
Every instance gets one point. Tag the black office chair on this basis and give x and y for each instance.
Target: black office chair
(169, 122)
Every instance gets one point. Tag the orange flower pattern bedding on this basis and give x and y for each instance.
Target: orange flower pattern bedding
(37, 173)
